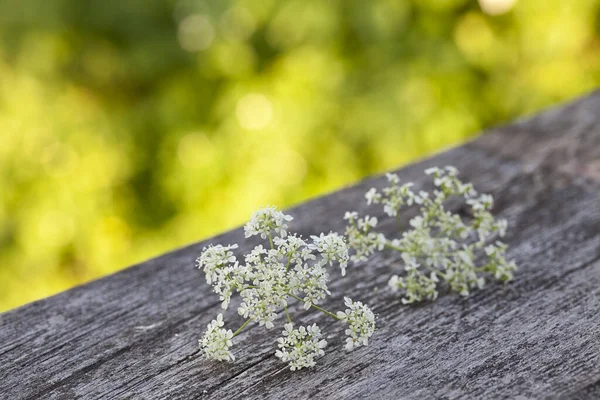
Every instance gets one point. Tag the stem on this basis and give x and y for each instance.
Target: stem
(332, 315)
(287, 314)
(437, 271)
(392, 247)
(271, 241)
(242, 327)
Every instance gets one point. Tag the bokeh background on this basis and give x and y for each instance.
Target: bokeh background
(129, 128)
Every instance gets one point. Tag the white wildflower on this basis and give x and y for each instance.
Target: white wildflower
(266, 222)
(269, 276)
(433, 171)
(498, 265)
(394, 283)
(372, 196)
(440, 245)
(268, 292)
(366, 223)
(392, 178)
(351, 215)
(311, 281)
(417, 286)
(215, 257)
(216, 341)
(300, 346)
(361, 323)
(332, 248)
(363, 244)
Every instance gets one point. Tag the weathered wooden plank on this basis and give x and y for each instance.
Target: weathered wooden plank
(134, 334)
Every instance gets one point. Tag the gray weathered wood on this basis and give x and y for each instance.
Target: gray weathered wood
(134, 334)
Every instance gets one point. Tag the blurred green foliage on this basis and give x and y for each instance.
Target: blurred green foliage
(128, 128)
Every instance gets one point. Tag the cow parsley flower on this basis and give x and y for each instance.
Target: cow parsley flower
(222, 270)
(372, 196)
(361, 323)
(498, 266)
(269, 279)
(332, 248)
(440, 245)
(216, 341)
(266, 222)
(215, 257)
(300, 346)
(394, 196)
(361, 238)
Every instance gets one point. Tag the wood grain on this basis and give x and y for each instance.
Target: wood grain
(134, 334)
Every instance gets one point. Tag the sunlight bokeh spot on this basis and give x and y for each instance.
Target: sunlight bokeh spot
(195, 33)
(254, 111)
(496, 7)
(238, 23)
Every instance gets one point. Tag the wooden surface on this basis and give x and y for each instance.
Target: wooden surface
(134, 334)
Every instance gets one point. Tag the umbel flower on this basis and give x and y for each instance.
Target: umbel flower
(290, 269)
(439, 246)
(300, 346)
(217, 341)
(361, 323)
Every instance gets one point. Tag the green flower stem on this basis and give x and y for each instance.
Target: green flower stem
(332, 315)
(242, 327)
(271, 241)
(390, 246)
(398, 221)
(287, 314)
(437, 271)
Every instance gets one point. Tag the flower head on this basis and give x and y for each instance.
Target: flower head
(332, 248)
(361, 323)
(266, 222)
(360, 236)
(215, 257)
(440, 245)
(372, 196)
(289, 268)
(300, 346)
(216, 341)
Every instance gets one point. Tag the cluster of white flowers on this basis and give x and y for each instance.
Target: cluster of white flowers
(395, 196)
(333, 248)
(266, 222)
(361, 323)
(300, 346)
(417, 286)
(217, 341)
(221, 269)
(439, 246)
(361, 238)
(290, 268)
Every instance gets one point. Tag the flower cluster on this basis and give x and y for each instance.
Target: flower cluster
(217, 341)
(266, 222)
(439, 246)
(360, 236)
(289, 269)
(361, 323)
(300, 346)
(333, 248)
